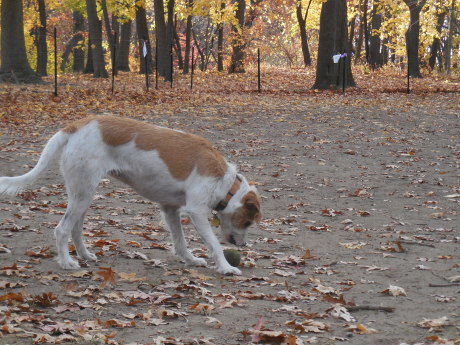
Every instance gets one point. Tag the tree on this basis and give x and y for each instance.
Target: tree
(75, 44)
(123, 49)
(413, 36)
(95, 39)
(220, 39)
(238, 44)
(375, 54)
(15, 66)
(436, 45)
(163, 39)
(333, 39)
(302, 20)
(42, 47)
(188, 36)
(143, 37)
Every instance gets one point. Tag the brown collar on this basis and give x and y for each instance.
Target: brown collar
(223, 203)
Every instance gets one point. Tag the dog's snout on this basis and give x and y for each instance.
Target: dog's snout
(231, 239)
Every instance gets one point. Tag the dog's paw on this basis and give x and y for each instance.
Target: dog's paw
(68, 264)
(89, 256)
(229, 271)
(194, 261)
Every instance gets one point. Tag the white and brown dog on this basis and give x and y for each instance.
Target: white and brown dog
(180, 171)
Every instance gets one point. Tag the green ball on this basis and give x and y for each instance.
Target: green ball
(233, 257)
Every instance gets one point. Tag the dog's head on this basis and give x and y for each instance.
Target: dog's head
(239, 215)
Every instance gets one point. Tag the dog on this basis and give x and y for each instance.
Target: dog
(182, 172)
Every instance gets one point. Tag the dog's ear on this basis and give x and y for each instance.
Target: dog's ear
(251, 203)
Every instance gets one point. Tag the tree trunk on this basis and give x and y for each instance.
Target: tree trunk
(164, 61)
(366, 30)
(42, 47)
(413, 36)
(74, 45)
(359, 43)
(95, 36)
(143, 36)
(238, 44)
(352, 34)
(436, 45)
(220, 40)
(123, 49)
(89, 68)
(333, 39)
(108, 28)
(188, 37)
(178, 49)
(448, 49)
(375, 54)
(170, 37)
(302, 21)
(14, 63)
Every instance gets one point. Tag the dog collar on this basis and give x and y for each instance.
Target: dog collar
(223, 203)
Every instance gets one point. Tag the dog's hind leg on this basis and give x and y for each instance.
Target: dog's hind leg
(172, 218)
(81, 183)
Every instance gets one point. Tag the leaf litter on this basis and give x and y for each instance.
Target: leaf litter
(360, 193)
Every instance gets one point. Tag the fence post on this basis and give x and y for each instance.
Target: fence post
(113, 60)
(172, 65)
(193, 68)
(258, 69)
(145, 53)
(408, 76)
(156, 64)
(55, 62)
(344, 72)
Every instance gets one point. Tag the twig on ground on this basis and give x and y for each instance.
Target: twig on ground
(443, 285)
(370, 307)
(418, 243)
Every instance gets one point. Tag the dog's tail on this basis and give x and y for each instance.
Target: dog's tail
(15, 184)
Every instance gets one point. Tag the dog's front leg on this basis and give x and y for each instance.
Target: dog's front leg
(171, 216)
(201, 223)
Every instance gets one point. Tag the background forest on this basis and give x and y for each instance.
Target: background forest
(225, 35)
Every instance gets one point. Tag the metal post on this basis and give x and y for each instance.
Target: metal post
(156, 64)
(193, 68)
(55, 62)
(113, 60)
(146, 66)
(171, 55)
(344, 71)
(258, 69)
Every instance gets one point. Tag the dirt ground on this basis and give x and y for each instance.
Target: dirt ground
(359, 242)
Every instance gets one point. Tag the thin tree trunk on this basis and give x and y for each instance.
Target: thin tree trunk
(238, 44)
(95, 31)
(220, 40)
(108, 28)
(143, 34)
(302, 21)
(162, 39)
(42, 47)
(123, 50)
(188, 36)
(89, 68)
(178, 49)
(436, 45)
(74, 45)
(375, 55)
(366, 30)
(359, 43)
(448, 49)
(413, 36)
